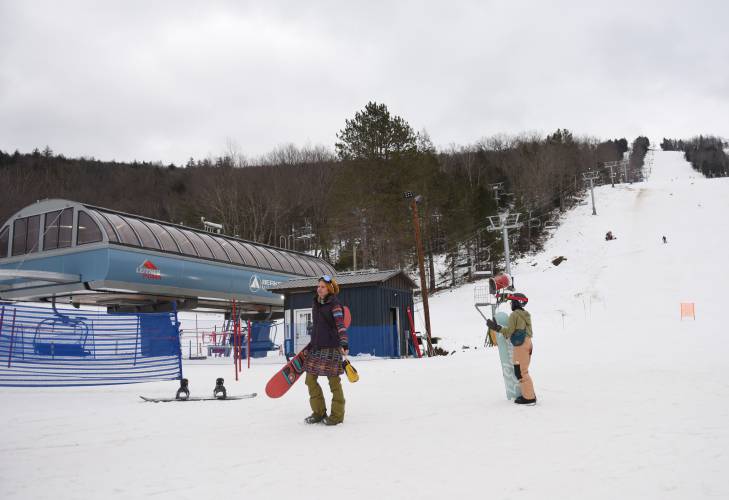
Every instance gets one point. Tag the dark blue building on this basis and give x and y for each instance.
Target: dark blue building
(378, 301)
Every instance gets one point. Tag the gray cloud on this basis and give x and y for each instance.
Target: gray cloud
(169, 80)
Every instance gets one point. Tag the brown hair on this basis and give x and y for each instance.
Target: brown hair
(332, 286)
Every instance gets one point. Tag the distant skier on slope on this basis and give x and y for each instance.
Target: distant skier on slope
(665, 240)
(519, 332)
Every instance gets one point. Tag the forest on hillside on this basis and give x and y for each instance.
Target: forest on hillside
(336, 203)
(707, 154)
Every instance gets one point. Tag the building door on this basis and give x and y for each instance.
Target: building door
(302, 326)
(395, 331)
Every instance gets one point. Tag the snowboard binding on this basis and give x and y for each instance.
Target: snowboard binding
(219, 392)
(183, 392)
(298, 366)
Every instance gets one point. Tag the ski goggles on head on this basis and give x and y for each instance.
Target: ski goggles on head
(511, 296)
(517, 298)
(326, 278)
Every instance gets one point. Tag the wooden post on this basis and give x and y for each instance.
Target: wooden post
(421, 266)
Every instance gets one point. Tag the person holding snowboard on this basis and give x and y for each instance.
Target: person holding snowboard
(329, 342)
(519, 332)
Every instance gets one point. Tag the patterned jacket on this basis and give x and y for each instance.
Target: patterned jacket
(328, 329)
(328, 336)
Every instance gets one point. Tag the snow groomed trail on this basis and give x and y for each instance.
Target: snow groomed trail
(633, 402)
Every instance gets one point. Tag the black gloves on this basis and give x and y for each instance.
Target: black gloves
(493, 325)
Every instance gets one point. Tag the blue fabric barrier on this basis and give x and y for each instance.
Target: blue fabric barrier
(43, 347)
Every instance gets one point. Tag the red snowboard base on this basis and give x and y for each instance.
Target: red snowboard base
(287, 376)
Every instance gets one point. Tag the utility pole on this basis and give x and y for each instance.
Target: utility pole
(591, 177)
(414, 200)
(354, 253)
(624, 164)
(503, 222)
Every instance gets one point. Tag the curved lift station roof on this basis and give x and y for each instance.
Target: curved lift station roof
(81, 254)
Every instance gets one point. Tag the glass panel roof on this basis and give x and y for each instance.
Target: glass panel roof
(243, 250)
(4, 236)
(212, 242)
(287, 262)
(88, 230)
(310, 268)
(233, 254)
(157, 235)
(144, 233)
(256, 252)
(319, 265)
(272, 260)
(182, 241)
(200, 246)
(108, 228)
(123, 229)
(164, 237)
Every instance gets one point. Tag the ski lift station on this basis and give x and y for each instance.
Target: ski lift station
(84, 255)
(381, 304)
(142, 271)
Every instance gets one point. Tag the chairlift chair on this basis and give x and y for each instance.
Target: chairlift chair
(62, 335)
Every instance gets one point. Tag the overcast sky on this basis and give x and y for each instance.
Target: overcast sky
(164, 81)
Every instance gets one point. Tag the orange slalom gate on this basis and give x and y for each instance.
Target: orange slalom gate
(688, 310)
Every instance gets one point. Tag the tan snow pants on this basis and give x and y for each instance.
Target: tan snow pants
(316, 397)
(522, 356)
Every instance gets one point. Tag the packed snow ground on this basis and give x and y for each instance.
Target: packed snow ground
(633, 402)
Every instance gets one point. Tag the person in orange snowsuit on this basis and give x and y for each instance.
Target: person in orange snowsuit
(519, 332)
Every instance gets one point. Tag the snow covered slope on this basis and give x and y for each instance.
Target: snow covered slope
(632, 400)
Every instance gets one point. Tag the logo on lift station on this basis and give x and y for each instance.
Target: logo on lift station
(149, 271)
(257, 284)
(254, 285)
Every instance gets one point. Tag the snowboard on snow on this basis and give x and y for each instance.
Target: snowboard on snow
(506, 350)
(287, 376)
(227, 398)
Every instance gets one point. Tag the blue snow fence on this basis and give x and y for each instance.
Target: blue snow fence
(44, 347)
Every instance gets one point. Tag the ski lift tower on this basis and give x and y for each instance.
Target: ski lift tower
(591, 177)
(611, 165)
(624, 164)
(503, 222)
